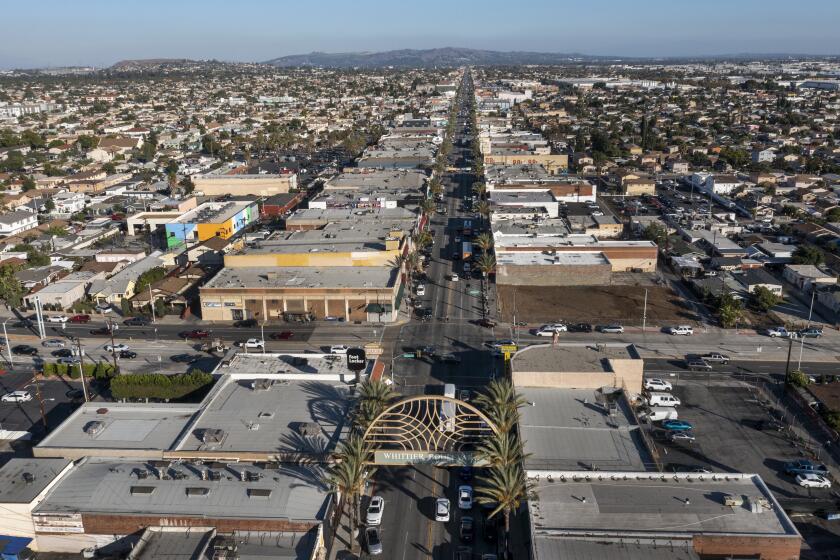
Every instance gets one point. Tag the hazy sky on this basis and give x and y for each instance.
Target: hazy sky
(100, 32)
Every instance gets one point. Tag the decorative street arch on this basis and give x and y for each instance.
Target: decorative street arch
(428, 429)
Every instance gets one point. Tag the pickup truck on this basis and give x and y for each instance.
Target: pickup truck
(715, 357)
(780, 332)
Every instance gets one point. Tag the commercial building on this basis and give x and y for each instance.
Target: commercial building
(278, 205)
(553, 163)
(258, 184)
(23, 485)
(211, 219)
(349, 293)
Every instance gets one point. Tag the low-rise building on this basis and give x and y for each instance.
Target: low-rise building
(259, 184)
(807, 276)
(211, 219)
(12, 223)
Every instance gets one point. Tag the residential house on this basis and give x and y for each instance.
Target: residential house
(758, 277)
(807, 276)
(12, 223)
(121, 285)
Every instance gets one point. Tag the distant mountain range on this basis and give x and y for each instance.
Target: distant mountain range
(446, 56)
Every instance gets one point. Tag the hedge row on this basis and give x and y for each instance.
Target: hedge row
(99, 370)
(158, 385)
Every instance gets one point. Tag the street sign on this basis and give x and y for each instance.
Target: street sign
(508, 349)
(356, 360)
(437, 458)
(474, 292)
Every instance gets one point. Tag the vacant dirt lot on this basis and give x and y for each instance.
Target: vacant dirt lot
(593, 304)
(828, 393)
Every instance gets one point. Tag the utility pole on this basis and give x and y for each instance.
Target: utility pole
(644, 312)
(82, 368)
(152, 304)
(40, 401)
(113, 350)
(8, 344)
(802, 338)
(787, 365)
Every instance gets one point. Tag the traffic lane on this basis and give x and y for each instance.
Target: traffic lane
(736, 366)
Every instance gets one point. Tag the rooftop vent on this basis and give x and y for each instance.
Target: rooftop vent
(261, 384)
(28, 477)
(142, 490)
(94, 427)
(259, 493)
(211, 435)
(197, 491)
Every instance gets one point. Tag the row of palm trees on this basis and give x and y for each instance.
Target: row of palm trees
(353, 461)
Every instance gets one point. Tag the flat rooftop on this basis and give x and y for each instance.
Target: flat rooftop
(334, 238)
(21, 480)
(394, 215)
(559, 259)
(565, 429)
(267, 418)
(651, 504)
(108, 486)
(572, 358)
(516, 173)
(123, 426)
(582, 241)
(257, 364)
(379, 179)
(505, 197)
(213, 212)
(304, 277)
(580, 548)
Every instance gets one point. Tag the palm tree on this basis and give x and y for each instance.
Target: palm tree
(374, 397)
(479, 189)
(435, 187)
(499, 394)
(486, 263)
(347, 476)
(422, 240)
(413, 263)
(483, 208)
(504, 488)
(501, 450)
(428, 206)
(484, 242)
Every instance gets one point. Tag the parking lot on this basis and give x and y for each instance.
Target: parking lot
(739, 429)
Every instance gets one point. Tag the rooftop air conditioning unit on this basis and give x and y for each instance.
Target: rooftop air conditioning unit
(94, 427)
(309, 429)
(212, 435)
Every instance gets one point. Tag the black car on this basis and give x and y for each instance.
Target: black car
(466, 473)
(580, 327)
(184, 358)
(492, 526)
(62, 353)
(24, 350)
(467, 530)
(136, 322)
(25, 324)
(245, 323)
(127, 355)
(101, 331)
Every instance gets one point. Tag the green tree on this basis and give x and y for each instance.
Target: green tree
(729, 310)
(504, 488)
(422, 240)
(484, 241)
(374, 397)
(28, 184)
(428, 206)
(86, 142)
(149, 277)
(49, 205)
(655, 232)
(763, 299)
(797, 378)
(11, 290)
(808, 254)
(347, 475)
(486, 263)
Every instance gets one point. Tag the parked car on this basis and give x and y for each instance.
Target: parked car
(813, 332)
(136, 322)
(804, 466)
(679, 435)
(24, 350)
(611, 329)
(465, 497)
(677, 425)
(421, 290)
(373, 542)
(580, 327)
(57, 319)
(101, 331)
(53, 343)
(467, 529)
(464, 395)
(79, 319)
(463, 553)
(245, 323)
(811, 480)
(251, 343)
(185, 358)
(374, 510)
(195, 334)
(117, 347)
(550, 329)
(339, 349)
(699, 365)
(779, 332)
(17, 396)
(285, 335)
(127, 355)
(486, 323)
(659, 413)
(62, 353)
(715, 357)
(681, 329)
(663, 399)
(442, 509)
(70, 360)
(657, 384)
(466, 473)
(453, 277)
(492, 527)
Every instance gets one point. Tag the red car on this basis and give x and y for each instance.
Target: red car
(79, 319)
(285, 335)
(195, 334)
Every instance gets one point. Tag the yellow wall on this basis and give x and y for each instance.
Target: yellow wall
(552, 162)
(368, 258)
(206, 231)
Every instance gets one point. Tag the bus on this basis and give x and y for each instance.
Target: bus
(447, 409)
(467, 230)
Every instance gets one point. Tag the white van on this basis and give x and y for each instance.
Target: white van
(660, 413)
(449, 390)
(663, 399)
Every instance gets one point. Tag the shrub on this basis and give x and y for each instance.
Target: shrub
(797, 378)
(158, 385)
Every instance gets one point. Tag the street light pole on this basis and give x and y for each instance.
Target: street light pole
(8, 344)
(152, 304)
(82, 368)
(802, 341)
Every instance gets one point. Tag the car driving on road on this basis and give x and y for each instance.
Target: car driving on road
(251, 343)
(699, 365)
(339, 349)
(715, 357)
(611, 329)
(116, 347)
(442, 510)
(195, 334)
(684, 330)
(374, 510)
(465, 497)
(57, 319)
(24, 350)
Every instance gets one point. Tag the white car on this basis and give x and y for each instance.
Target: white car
(53, 343)
(811, 480)
(57, 319)
(254, 343)
(442, 510)
(339, 349)
(421, 290)
(465, 497)
(17, 396)
(454, 277)
(656, 384)
(681, 329)
(117, 347)
(551, 329)
(374, 510)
